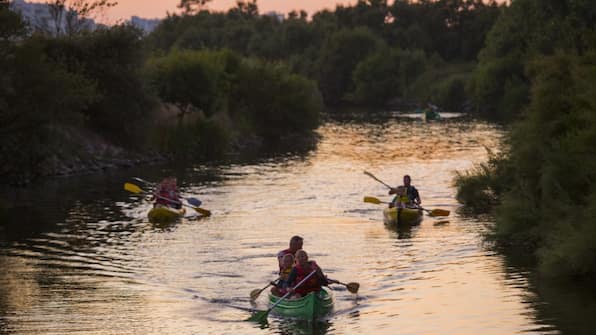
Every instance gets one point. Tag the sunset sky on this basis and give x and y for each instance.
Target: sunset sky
(158, 8)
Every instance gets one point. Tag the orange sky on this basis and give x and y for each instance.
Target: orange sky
(158, 8)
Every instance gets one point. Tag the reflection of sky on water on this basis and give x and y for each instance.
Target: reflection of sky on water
(95, 265)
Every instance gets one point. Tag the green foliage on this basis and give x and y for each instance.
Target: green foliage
(376, 79)
(11, 26)
(451, 94)
(547, 200)
(442, 84)
(386, 74)
(192, 6)
(338, 59)
(330, 46)
(482, 188)
(525, 30)
(112, 59)
(454, 29)
(187, 79)
(196, 140)
(273, 101)
(38, 95)
(71, 17)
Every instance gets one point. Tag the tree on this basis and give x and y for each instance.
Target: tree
(70, 17)
(244, 9)
(339, 57)
(190, 7)
(12, 27)
(188, 80)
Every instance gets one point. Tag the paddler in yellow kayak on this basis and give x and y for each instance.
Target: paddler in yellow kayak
(413, 197)
(166, 194)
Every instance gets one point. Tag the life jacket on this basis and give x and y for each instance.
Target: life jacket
(284, 274)
(400, 199)
(312, 284)
(167, 194)
(283, 283)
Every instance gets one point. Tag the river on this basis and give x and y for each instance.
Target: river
(78, 255)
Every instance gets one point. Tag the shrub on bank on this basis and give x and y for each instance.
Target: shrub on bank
(547, 190)
(197, 140)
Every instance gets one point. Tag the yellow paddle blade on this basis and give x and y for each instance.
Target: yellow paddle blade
(372, 200)
(202, 211)
(439, 212)
(132, 188)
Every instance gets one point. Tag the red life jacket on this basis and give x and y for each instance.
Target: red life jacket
(312, 284)
(164, 194)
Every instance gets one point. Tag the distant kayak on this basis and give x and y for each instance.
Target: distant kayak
(165, 214)
(431, 114)
(407, 216)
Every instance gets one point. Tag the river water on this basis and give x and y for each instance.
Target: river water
(78, 255)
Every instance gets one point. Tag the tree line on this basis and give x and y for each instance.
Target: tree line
(538, 70)
(205, 80)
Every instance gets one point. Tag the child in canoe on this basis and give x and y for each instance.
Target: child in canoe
(286, 265)
(167, 194)
(302, 269)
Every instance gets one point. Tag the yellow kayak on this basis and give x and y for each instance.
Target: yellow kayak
(407, 216)
(165, 214)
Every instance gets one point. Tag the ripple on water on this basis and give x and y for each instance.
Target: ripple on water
(99, 267)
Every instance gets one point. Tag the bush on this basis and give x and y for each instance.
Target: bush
(199, 140)
(274, 101)
(546, 196)
(112, 59)
(385, 74)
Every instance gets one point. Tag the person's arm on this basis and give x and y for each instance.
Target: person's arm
(279, 258)
(417, 199)
(324, 281)
(392, 191)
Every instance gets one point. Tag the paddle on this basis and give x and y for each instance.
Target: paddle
(135, 189)
(374, 200)
(377, 179)
(254, 294)
(352, 287)
(261, 316)
(191, 200)
(431, 212)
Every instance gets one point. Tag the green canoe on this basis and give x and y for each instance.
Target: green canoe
(309, 307)
(162, 214)
(407, 216)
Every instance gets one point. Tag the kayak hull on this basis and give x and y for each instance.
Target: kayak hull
(165, 214)
(430, 115)
(310, 307)
(407, 216)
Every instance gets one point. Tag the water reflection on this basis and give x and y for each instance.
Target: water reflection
(78, 255)
(402, 231)
(302, 327)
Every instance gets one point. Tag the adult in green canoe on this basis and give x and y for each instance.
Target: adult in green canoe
(301, 270)
(411, 192)
(295, 245)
